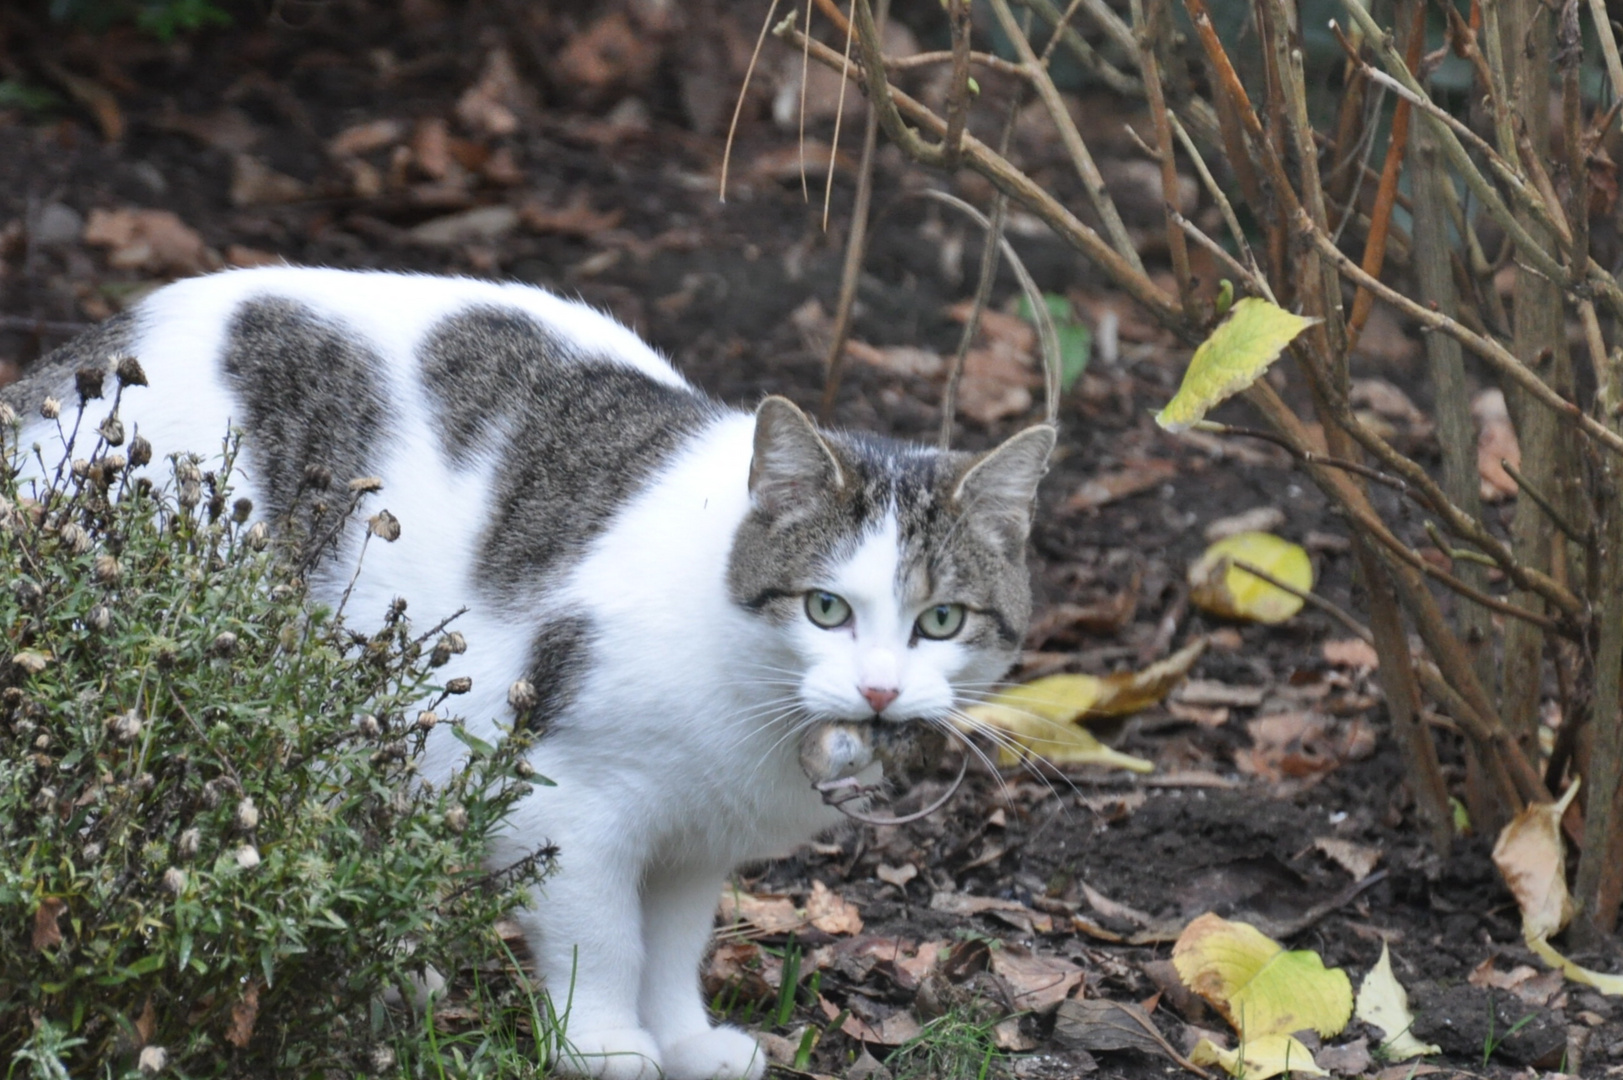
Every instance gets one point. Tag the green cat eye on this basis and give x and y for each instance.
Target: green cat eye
(827, 610)
(941, 622)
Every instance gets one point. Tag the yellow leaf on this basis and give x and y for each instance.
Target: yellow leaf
(1259, 987)
(1236, 354)
(1532, 859)
(1038, 720)
(1220, 583)
(1258, 1059)
(1382, 1001)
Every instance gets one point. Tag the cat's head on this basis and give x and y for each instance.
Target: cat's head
(893, 576)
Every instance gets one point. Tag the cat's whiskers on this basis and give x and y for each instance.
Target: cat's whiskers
(1029, 758)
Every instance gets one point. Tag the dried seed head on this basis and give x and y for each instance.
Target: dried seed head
(441, 654)
(241, 510)
(140, 451)
(521, 696)
(190, 495)
(456, 642)
(30, 661)
(87, 382)
(45, 800)
(124, 727)
(427, 719)
(153, 1060)
(80, 468)
(174, 881)
(383, 1059)
(318, 477)
(92, 852)
(459, 685)
(129, 372)
(186, 470)
(247, 856)
(369, 727)
(8, 415)
(189, 842)
(456, 818)
(107, 570)
(247, 816)
(100, 618)
(75, 538)
(257, 536)
(50, 408)
(114, 464)
(385, 526)
(112, 429)
(524, 769)
(224, 644)
(366, 485)
(145, 783)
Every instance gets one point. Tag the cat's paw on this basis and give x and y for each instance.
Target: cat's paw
(722, 1053)
(611, 1054)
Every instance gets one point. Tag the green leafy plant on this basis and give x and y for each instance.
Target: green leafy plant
(1075, 339)
(215, 855)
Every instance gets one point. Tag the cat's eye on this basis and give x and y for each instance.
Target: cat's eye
(941, 622)
(827, 610)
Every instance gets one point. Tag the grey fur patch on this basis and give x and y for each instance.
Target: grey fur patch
(946, 557)
(579, 435)
(314, 395)
(560, 656)
(52, 374)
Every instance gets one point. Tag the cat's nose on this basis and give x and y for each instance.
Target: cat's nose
(877, 698)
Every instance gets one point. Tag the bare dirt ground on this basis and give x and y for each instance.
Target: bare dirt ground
(579, 146)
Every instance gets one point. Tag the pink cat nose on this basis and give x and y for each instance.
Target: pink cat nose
(878, 698)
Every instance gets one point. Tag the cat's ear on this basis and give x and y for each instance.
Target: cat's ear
(792, 463)
(996, 492)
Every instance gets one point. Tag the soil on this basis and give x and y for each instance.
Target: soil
(584, 154)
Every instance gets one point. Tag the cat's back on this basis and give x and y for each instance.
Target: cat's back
(364, 373)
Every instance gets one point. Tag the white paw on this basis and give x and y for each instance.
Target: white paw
(611, 1054)
(722, 1053)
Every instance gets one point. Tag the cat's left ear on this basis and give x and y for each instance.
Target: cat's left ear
(792, 464)
(997, 491)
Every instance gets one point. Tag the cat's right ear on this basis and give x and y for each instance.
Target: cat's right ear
(792, 463)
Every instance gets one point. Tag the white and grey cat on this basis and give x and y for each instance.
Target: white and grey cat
(688, 587)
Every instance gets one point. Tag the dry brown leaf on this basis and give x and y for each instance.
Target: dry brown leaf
(1131, 479)
(1355, 653)
(1013, 912)
(47, 930)
(1495, 442)
(1357, 859)
(574, 218)
(1035, 982)
(228, 129)
(743, 968)
(997, 327)
(898, 876)
(1212, 692)
(987, 401)
(431, 148)
(253, 183)
(1302, 745)
(365, 137)
(832, 913)
(894, 1030)
(152, 240)
(608, 55)
(767, 914)
(1110, 909)
(909, 360)
(100, 101)
(243, 1016)
(146, 1023)
(490, 106)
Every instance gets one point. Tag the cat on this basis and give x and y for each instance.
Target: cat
(688, 588)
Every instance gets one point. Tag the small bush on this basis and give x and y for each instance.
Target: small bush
(214, 853)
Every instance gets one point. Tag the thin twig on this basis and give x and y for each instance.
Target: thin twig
(738, 106)
(1558, 519)
(1224, 207)
(1335, 611)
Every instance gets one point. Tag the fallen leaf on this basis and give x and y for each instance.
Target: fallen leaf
(768, 915)
(1070, 698)
(908, 360)
(1302, 744)
(1259, 987)
(229, 130)
(1258, 519)
(894, 1030)
(832, 913)
(896, 875)
(608, 55)
(31, 661)
(1219, 583)
(243, 1016)
(253, 183)
(1348, 1059)
(1231, 359)
(1131, 479)
(1000, 327)
(100, 101)
(1353, 653)
(1096, 1024)
(1110, 909)
(1035, 982)
(1357, 859)
(1495, 443)
(365, 137)
(574, 218)
(1026, 739)
(1212, 692)
(47, 931)
(1008, 1036)
(489, 106)
(481, 224)
(1531, 857)
(1260, 1058)
(151, 240)
(1383, 1002)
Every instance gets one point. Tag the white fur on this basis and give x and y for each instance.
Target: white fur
(676, 761)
